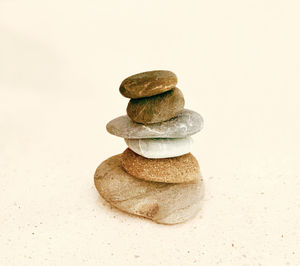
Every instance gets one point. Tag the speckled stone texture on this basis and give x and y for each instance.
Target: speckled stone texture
(185, 123)
(160, 202)
(147, 84)
(160, 148)
(157, 108)
(181, 169)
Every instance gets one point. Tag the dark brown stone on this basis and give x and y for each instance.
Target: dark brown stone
(157, 108)
(147, 84)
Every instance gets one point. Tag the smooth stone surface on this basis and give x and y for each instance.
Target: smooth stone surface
(160, 148)
(160, 202)
(157, 108)
(185, 123)
(148, 83)
(181, 169)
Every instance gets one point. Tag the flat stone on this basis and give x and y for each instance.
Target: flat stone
(185, 123)
(160, 202)
(160, 148)
(148, 84)
(181, 169)
(156, 108)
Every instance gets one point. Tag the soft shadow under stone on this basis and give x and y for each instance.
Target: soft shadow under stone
(186, 123)
(160, 202)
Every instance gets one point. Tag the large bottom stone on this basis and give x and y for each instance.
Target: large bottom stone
(160, 202)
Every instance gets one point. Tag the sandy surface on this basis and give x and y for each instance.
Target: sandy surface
(60, 67)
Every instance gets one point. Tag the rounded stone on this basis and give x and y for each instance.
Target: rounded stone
(160, 148)
(148, 83)
(185, 123)
(181, 169)
(160, 202)
(156, 108)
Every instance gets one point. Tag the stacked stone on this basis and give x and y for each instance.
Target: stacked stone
(156, 176)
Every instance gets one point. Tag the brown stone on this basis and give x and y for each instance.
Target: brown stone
(156, 108)
(160, 202)
(181, 169)
(147, 84)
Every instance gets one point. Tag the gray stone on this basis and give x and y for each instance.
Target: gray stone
(186, 123)
(160, 202)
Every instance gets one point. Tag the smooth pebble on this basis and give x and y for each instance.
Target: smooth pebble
(160, 202)
(184, 124)
(148, 83)
(160, 148)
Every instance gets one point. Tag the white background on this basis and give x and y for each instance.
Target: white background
(61, 63)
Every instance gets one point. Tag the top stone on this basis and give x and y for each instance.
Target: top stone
(148, 84)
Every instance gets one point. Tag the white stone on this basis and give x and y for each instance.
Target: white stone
(160, 148)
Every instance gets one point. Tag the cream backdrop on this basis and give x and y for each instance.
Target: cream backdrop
(61, 63)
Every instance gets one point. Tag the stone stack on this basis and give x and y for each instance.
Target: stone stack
(156, 176)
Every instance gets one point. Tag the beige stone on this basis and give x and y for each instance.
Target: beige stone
(160, 202)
